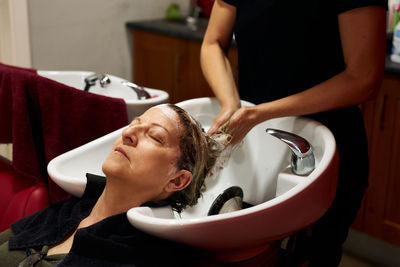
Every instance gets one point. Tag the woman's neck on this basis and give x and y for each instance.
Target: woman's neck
(111, 202)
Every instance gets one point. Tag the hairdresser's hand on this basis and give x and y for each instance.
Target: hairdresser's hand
(221, 119)
(241, 122)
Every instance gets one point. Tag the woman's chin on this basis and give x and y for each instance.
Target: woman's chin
(112, 169)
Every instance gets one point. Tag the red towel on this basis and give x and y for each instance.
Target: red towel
(43, 119)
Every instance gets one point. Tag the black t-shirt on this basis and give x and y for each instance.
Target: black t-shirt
(288, 46)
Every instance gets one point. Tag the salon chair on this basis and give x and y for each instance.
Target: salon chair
(20, 196)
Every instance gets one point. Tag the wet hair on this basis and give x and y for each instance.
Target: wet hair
(199, 153)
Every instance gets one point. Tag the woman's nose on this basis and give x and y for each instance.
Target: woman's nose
(130, 136)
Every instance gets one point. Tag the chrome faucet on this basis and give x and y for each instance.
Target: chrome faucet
(303, 161)
(91, 80)
(104, 80)
(194, 14)
(194, 9)
(140, 91)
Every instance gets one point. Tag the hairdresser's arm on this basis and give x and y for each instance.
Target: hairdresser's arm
(214, 62)
(362, 33)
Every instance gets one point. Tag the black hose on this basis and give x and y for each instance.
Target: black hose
(87, 86)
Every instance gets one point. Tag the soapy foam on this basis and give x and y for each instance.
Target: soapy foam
(223, 159)
(169, 113)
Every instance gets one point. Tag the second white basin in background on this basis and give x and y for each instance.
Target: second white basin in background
(135, 106)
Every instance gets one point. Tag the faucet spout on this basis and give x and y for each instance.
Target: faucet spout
(303, 160)
(140, 91)
(90, 81)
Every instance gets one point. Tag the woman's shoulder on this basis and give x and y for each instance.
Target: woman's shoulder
(68, 209)
(50, 223)
(64, 208)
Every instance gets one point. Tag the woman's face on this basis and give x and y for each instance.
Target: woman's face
(146, 154)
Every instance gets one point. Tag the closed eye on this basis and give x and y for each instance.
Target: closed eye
(156, 139)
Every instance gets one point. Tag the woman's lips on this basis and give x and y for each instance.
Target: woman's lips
(120, 150)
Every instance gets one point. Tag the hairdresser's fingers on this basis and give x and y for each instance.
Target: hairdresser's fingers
(221, 119)
(241, 122)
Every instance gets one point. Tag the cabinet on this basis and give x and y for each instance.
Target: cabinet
(379, 216)
(171, 64)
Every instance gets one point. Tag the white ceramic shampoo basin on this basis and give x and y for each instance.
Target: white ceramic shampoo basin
(283, 203)
(135, 106)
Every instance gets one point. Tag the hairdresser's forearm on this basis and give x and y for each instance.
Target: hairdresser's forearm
(345, 89)
(218, 73)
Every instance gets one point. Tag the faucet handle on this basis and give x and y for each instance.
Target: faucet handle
(104, 80)
(303, 161)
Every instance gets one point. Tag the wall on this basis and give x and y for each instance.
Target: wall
(88, 34)
(14, 34)
(4, 28)
(14, 42)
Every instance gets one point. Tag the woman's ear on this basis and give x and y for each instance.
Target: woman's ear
(179, 182)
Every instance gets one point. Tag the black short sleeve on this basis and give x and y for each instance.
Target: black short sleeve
(231, 2)
(345, 5)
